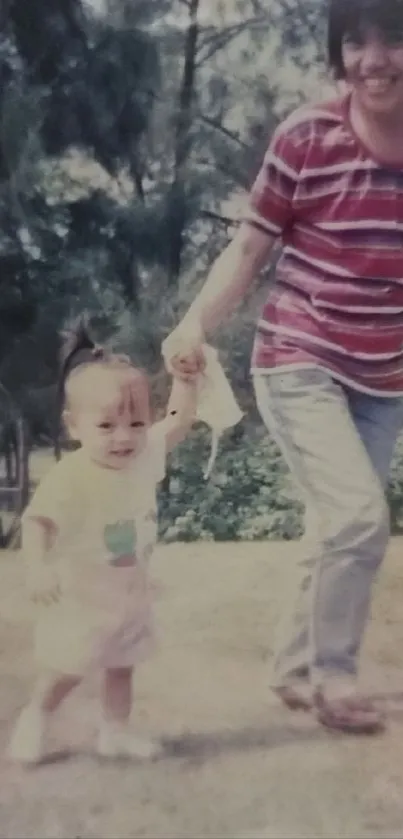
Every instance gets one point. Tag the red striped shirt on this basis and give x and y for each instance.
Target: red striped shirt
(338, 297)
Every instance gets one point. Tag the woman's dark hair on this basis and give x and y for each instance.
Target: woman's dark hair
(350, 17)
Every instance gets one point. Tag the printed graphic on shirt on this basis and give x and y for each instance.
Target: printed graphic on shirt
(151, 534)
(120, 540)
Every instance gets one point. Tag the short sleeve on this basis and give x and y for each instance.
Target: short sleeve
(56, 496)
(157, 452)
(270, 200)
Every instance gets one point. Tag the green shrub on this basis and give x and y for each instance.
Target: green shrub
(395, 489)
(250, 494)
(248, 497)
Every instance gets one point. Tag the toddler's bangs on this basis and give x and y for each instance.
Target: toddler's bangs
(132, 394)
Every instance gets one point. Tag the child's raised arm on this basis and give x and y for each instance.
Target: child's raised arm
(181, 412)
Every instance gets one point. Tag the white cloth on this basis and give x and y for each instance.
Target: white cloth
(107, 528)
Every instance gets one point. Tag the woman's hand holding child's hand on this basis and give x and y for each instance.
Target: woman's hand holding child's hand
(183, 351)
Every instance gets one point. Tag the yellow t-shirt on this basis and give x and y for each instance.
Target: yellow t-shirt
(106, 530)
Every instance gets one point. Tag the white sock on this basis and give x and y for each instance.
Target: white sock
(27, 742)
(118, 739)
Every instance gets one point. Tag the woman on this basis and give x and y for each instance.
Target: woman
(328, 356)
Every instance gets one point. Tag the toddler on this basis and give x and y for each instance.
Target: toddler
(88, 535)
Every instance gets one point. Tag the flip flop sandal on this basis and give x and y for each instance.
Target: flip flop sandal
(296, 699)
(349, 714)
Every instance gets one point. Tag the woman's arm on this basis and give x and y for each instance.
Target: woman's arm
(269, 212)
(226, 286)
(230, 278)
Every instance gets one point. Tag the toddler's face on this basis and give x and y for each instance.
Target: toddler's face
(111, 419)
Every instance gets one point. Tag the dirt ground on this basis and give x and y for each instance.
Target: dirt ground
(236, 763)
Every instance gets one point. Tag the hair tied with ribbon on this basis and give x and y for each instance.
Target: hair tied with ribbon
(78, 348)
(98, 352)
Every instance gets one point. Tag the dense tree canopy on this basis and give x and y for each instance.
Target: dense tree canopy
(130, 133)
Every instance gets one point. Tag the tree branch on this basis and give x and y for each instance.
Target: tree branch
(220, 39)
(138, 181)
(229, 222)
(182, 136)
(217, 126)
(235, 177)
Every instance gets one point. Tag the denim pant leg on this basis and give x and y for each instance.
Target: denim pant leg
(338, 445)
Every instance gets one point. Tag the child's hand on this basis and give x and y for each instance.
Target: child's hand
(187, 368)
(44, 586)
(186, 374)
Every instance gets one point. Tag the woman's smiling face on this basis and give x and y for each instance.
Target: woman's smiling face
(373, 65)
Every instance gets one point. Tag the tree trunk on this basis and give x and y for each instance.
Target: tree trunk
(183, 124)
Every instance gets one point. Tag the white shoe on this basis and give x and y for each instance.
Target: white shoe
(27, 744)
(116, 741)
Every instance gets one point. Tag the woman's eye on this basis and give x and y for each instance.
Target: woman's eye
(137, 424)
(395, 39)
(392, 38)
(353, 42)
(106, 426)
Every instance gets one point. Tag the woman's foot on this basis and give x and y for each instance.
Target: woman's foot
(351, 714)
(119, 740)
(27, 744)
(297, 696)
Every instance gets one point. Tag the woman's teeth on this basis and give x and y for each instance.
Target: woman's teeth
(378, 85)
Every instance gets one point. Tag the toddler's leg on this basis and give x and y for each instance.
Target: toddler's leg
(116, 738)
(28, 740)
(118, 694)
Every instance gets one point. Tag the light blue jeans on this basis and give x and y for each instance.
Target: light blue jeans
(338, 444)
